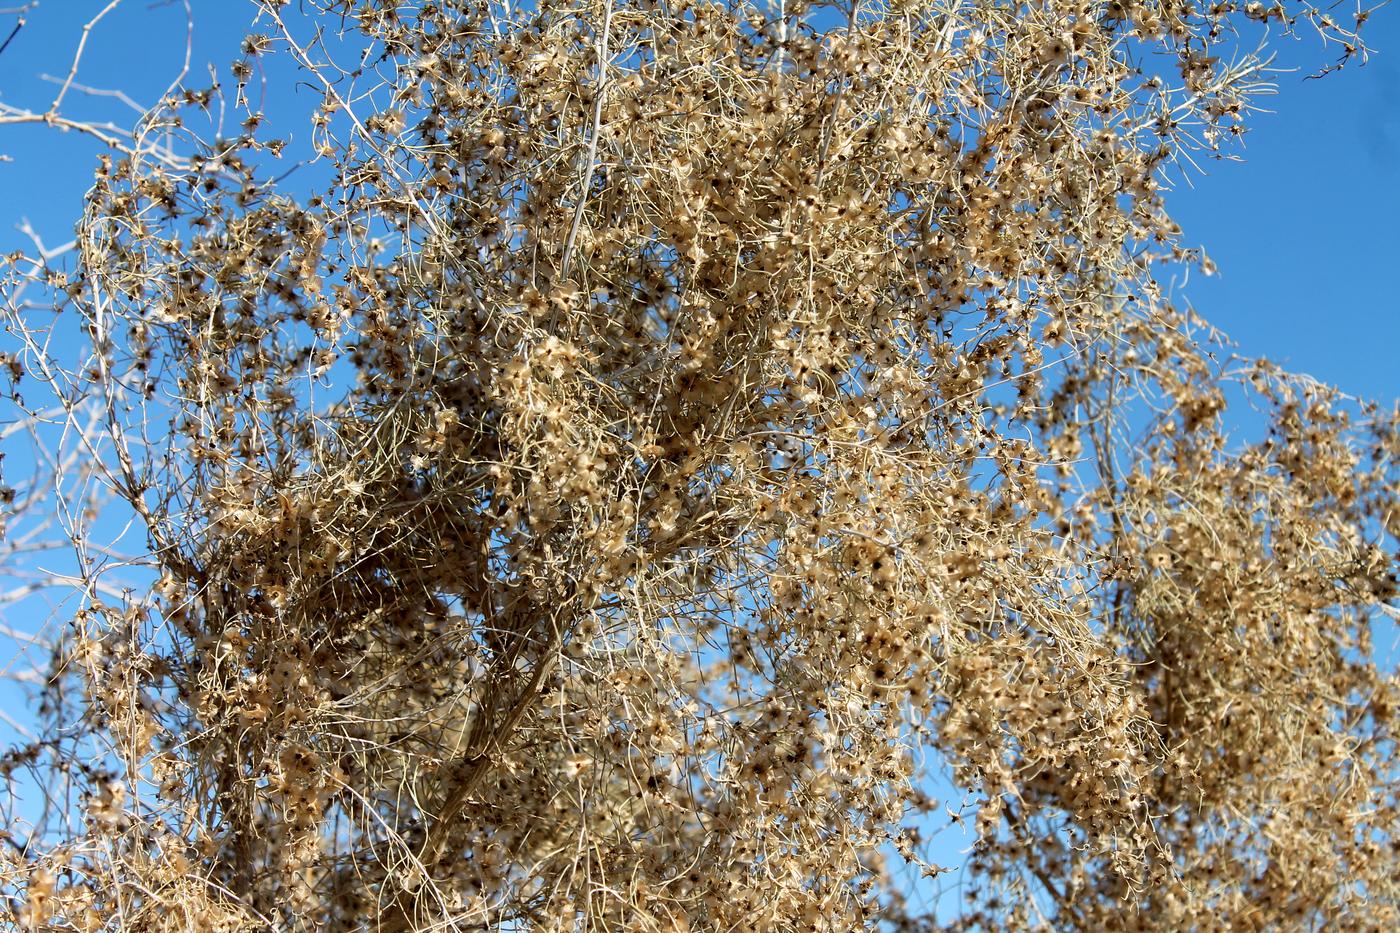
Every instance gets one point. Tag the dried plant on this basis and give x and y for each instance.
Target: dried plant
(645, 444)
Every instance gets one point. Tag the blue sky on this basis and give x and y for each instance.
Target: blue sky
(1305, 231)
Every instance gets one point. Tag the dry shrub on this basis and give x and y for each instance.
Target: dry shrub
(649, 438)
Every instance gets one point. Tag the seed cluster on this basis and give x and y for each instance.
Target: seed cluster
(652, 435)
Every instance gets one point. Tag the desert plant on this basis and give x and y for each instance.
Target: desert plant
(647, 441)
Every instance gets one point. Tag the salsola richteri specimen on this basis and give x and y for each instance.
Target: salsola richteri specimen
(646, 450)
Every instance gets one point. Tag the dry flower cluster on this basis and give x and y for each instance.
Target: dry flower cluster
(649, 439)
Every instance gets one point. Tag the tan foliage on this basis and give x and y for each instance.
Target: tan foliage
(651, 439)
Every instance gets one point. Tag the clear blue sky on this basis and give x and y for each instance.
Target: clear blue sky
(1306, 231)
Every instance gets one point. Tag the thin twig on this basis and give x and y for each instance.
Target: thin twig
(590, 159)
